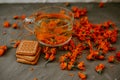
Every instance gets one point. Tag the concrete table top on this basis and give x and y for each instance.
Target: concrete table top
(12, 70)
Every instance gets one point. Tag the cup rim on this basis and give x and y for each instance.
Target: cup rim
(47, 7)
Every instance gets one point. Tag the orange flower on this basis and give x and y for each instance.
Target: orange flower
(53, 50)
(76, 15)
(89, 43)
(47, 56)
(62, 59)
(68, 54)
(3, 47)
(63, 65)
(74, 8)
(16, 17)
(104, 45)
(51, 25)
(82, 75)
(52, 57)
(101, 57)
(90, 57)
(99, 68)
(95, 53)
(101, 4)
(40, 37)
(15, 25)
(6, 24)
(23, 16)
(65, 47)
(111, 59)
(81, 65)
(72, 44)
(1, 51)
(45, 49)
(16, 44)
(59, 30)
(117, 56)
(70, 66)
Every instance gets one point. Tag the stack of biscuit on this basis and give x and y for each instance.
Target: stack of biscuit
(28, 52)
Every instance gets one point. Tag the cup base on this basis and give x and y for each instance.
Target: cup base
(56, 45)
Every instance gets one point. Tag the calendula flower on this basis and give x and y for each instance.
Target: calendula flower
(99, 68)
(111, 59)
(118, 56)
(53, 50)
(70, 66)
(62, 58)
(81, 65)
(90, 57)
(83, 76)
(63, 65)
(47, 55)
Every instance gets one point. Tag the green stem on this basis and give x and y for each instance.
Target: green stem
(100, 72)
(46, 62)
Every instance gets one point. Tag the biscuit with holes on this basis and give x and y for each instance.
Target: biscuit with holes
(27, 48)
(29, 58)
(28, 62)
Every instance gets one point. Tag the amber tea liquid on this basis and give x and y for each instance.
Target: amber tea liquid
(53, 30)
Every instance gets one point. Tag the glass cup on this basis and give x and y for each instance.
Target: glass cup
(52, 25)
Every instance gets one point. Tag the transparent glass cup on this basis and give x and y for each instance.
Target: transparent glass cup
(52, 25)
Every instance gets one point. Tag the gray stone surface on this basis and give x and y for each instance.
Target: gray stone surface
(11, 70)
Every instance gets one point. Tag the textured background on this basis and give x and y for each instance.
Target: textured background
(11, 70)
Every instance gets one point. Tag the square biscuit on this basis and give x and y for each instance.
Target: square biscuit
(29, 58)
(28, 62)
(27, 47)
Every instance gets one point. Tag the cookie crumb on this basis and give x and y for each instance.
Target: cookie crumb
(71, 74)
(31, 69)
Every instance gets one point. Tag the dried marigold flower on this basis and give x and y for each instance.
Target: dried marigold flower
(81, 65)
(118, 56)
(62, 59)
(99, 68)
(47, 55)
(16, 44)
(101, 57)
(15, 17)
(45, 49)
(101, 4)
(82, 75)
(2, 51)
(74, 8)
(111, 59)
(6, 24)
(63, 65)
(70, 65)
(90, 57)
(23, 16)
(53, 50)
(3, 47)
(52, 57)
(15, 25)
